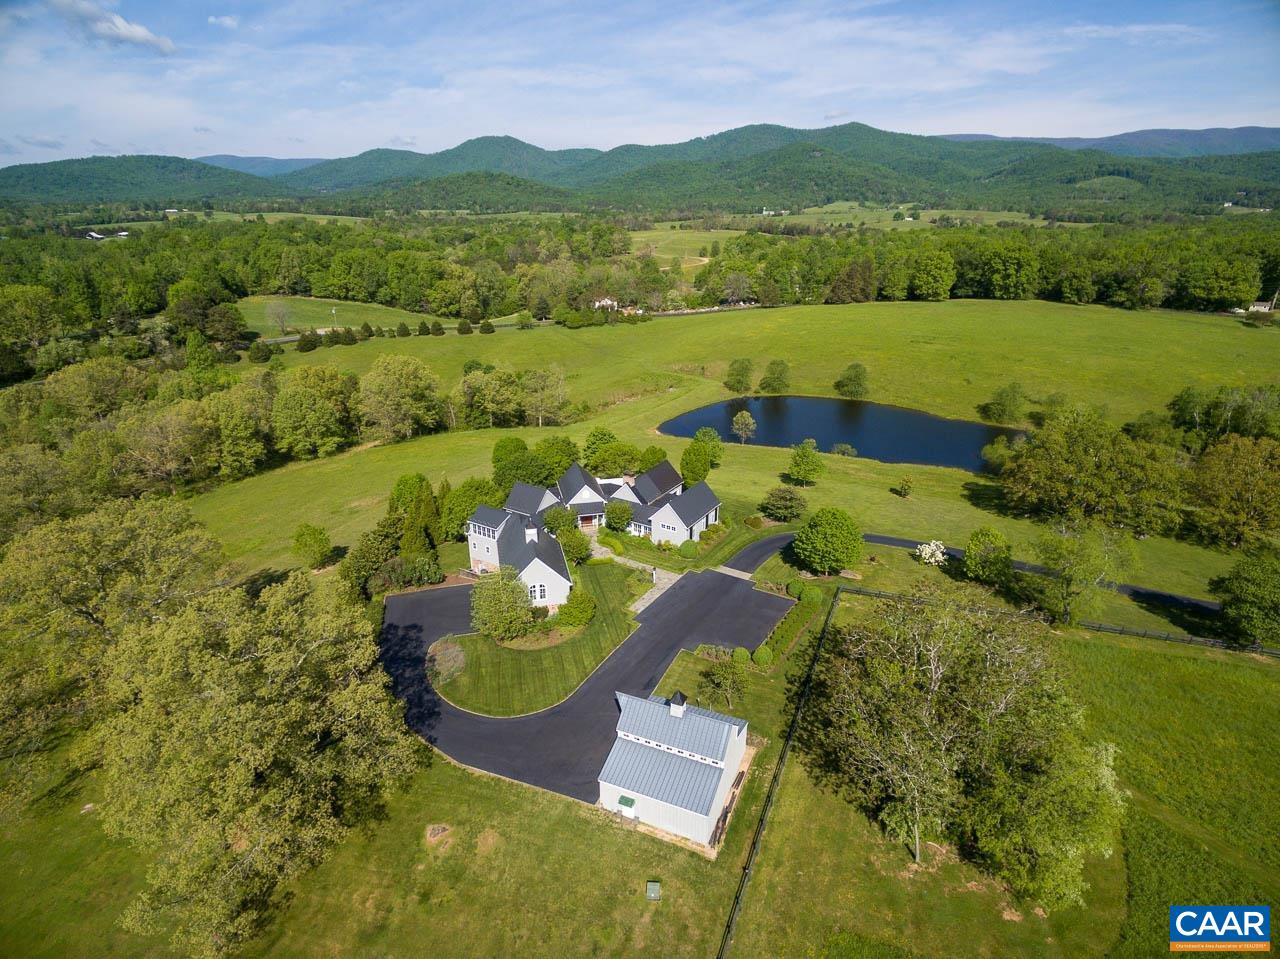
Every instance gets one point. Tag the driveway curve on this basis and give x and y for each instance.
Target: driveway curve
(563, 748)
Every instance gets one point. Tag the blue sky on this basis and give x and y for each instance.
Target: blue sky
(335, 77)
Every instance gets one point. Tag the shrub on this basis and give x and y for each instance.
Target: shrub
(794, 588)
(904, 488)
(754, 521)
(843, 449)
(932, 553)
(1250, 595)
(464, 326)
(829, 541)
(763, 657)
(437, 328)
(524, 320)
(558, 519)
(988, 557)
(311, 545)
(611, 543)
(617, 515)
(576, 546)
(401, 572)
(1007, 405)
(741, 655)
(307, 342)
(783, 503)
(578, 609)
(688, 549)
(424, 328)
(259, 352)
(371, 551)
(403, 329)
(811, 596)
(853, 382)
(486, 326)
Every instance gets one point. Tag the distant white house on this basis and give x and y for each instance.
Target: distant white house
(674, 766)
(604, 303)
(91, 235)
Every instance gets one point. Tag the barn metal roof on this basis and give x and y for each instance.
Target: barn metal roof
(666, 777)
(698, 731)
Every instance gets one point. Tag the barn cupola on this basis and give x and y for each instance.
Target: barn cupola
(676, 704)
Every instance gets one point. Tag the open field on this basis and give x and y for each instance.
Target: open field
(881, 217)
(226, 215)
(306, 312)
(945, 358)
(665, 244)
(501, 681)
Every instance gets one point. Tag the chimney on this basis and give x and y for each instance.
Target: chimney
(530, 533)
(676, 704)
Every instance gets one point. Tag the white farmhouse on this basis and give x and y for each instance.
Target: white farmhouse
(673, 766)
(504, 538)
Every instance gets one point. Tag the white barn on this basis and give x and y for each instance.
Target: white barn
(673, 766)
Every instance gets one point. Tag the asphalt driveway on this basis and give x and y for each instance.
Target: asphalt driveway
(563, 748)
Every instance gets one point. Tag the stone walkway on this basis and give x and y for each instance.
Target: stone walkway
(662, 579)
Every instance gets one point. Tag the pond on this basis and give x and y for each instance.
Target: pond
(891, 434)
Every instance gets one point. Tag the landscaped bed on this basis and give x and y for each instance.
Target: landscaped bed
(508, 681)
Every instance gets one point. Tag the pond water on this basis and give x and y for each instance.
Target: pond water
(891, 434)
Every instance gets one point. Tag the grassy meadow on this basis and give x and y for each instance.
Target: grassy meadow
(881, 217)
(666, 244)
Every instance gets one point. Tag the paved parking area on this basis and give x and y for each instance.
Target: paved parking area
(563, 748)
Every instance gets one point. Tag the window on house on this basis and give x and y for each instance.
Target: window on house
(542, 591)
(533, 592)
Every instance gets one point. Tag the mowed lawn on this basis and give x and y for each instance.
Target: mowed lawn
(501, 681)
(306, 312)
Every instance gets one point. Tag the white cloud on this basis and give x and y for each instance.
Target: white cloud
(98, 24)
(201, 130)
(229, 21)
(1135, 32)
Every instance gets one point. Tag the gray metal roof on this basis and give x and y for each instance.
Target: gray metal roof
(525, 499)
(488, 516)
(698, 731)
(676, 780)
(651, 484)
(594, 508)
(694, 503)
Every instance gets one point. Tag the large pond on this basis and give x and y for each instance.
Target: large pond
(892, 434)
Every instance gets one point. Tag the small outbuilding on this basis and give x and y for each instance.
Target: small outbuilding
(673, 766)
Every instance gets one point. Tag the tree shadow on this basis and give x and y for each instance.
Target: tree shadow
(988, 496)
(255, 583)
(1183, 616)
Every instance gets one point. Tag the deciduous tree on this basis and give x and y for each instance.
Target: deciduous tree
(829, 541)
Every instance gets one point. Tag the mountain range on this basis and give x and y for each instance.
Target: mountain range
(734, 171)
(1159, 143)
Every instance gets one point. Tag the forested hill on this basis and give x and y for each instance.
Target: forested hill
(491, 154)
(1156, 143)
(260, 166)
(737, 171)
(476, 192)
(128, 178)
